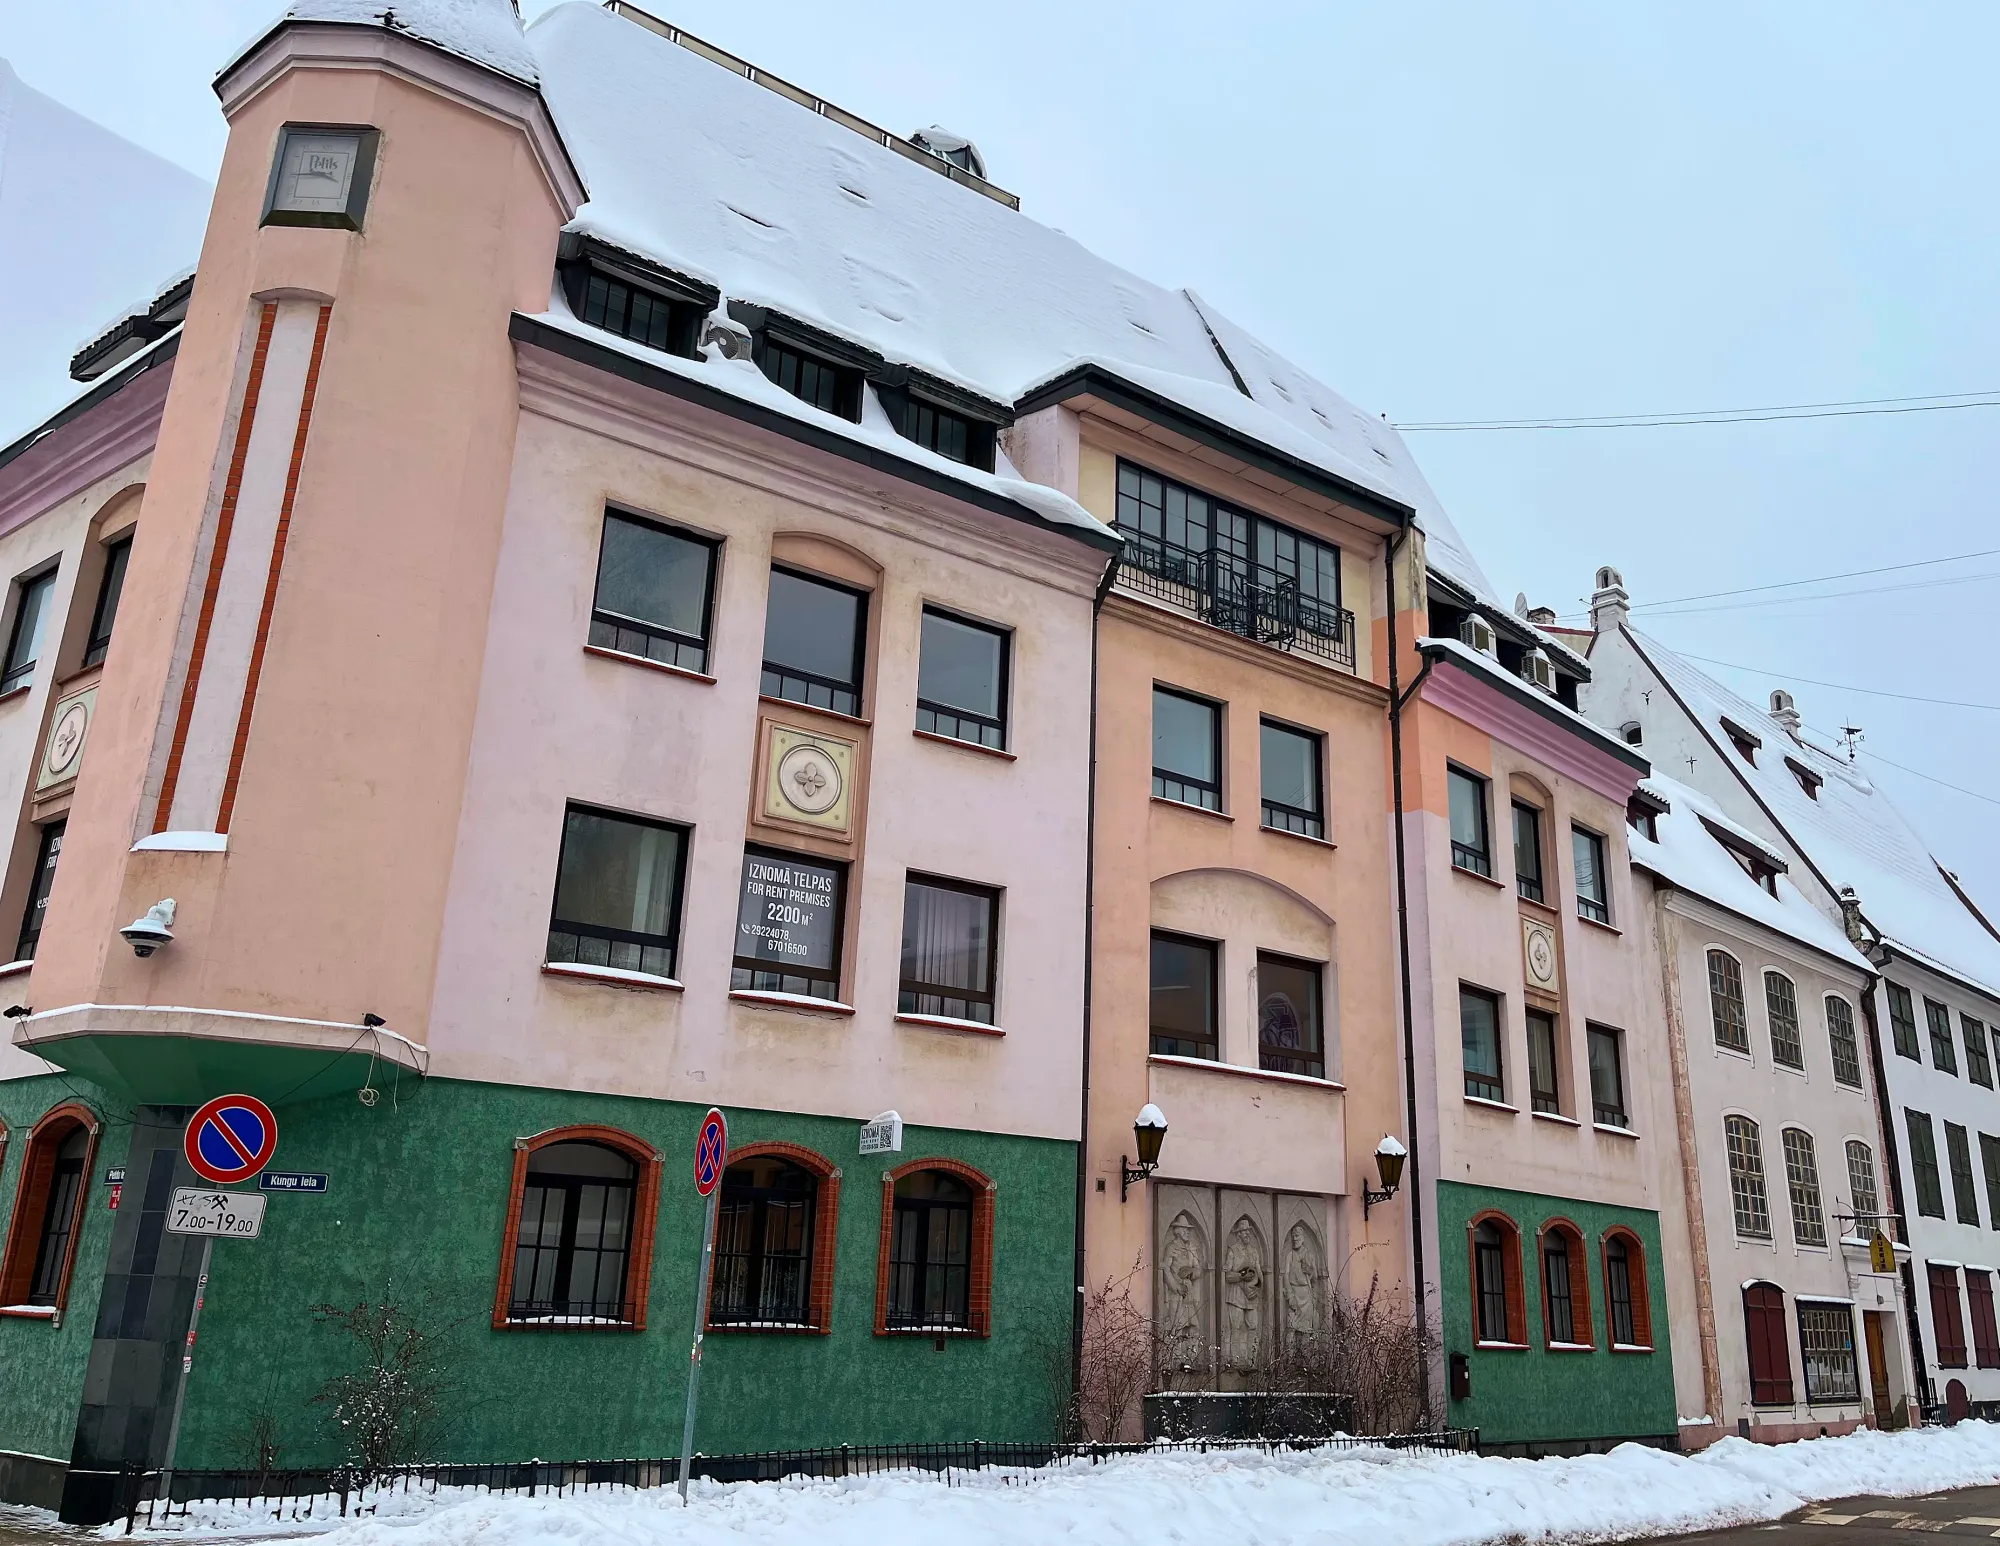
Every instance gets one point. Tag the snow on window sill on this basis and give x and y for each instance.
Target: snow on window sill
(652, 665)
(560, 1322)
(15, 968)
(950, 1023)
(1620, 1132)
(615, 976)
(1218, 1066)
(39, 1312)
(1572, 1347)
(802, 1002)
(1631, 1347)
(930, 1331)
(1504, 1347)
(964, 745)
(1492, 1105)
(1551, 1116)
(796, 1327)
(183, 843)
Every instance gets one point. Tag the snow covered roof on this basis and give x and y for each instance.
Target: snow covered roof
(1853, 834)
(1690, 857)
(1469, 659)
(487, 32)
(89, 222)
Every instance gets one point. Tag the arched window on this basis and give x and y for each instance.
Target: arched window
(1746, 1178)
(1770, 1351)
(774, 1238)
(1802, 1179)
(936, 1266)
(1841, 1042)
(48, 1211)
(1565, 1286)
(1781, 1007)
(1725, 1001)
(578, 1249)
(1627, 1300)
(1499, 1316)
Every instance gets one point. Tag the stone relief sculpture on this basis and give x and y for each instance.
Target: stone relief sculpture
(1183, 1310)
(1243, 1273)
(1303, 1287)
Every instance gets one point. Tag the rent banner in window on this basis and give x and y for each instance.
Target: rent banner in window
(789, 913)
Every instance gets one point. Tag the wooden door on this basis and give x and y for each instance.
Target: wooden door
(1878, 1367)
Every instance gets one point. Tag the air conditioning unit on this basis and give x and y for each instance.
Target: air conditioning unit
(1478, 633)
(1535, 668)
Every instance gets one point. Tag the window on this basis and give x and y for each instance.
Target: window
(49, 1200)
(630, 312)
(1958, 1149)
(1187, 749)
(1826, 1352)
(1183, 997)
(1841, 1041)
(1989, 1160)
(952, 435)
(1746, 1178)
(1902, 1021)
(1947, 1319)
(1725, 1001)
(1978, 1066)
(962, 680)
(1499, 1316)
(655, 592)
(930, 1254)
(1289, 1033)
(1781, 1006)
(1544, 1090)
(949, 933)
(1802, 1180)
(834, 389)
(31, 621)
(1607, 1076)
(1745, 741)
(1770, 1354)
(48, 850)
(1469, 850)
(618, 893)
(1565, 1287)
(1944, 1056)
(1861, 1182)
(1625, 1295)
(773, 1240)
(1289, 766)
(1809, 781)
(578, 1247)
(1979, 1300)
(1592, 897)
(788, 925)
(1479, 1034)
(1528, 851)
(105, 614)
(814, 638)
(1924, 1165)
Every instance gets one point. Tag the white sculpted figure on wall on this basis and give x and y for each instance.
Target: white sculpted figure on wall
(1304, 1287)
(1243, 1274)
(1183, 1291)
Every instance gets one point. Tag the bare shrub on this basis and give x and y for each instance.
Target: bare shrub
(391, 1407)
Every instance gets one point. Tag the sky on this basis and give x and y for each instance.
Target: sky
(1472, 211)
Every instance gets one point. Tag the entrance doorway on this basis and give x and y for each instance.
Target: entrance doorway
(1878, 1368)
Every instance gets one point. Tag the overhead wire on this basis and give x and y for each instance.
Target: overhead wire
(1859, 407)
(1872, 692)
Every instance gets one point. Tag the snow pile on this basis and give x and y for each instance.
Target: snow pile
(1362, 1497)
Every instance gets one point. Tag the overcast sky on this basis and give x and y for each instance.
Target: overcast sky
(1477, 211)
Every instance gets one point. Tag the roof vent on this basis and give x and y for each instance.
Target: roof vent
(955, 148)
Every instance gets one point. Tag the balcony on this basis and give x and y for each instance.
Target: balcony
(1253, 601)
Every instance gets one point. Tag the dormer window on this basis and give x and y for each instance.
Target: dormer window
(939, 417)
(1643, 812)
(632, 313)
(609, 288)
(1809, 781)
(827, 386)
(1757, 864)
(1745, 741)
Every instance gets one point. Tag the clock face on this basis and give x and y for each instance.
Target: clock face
(66, 740)
(809, 780)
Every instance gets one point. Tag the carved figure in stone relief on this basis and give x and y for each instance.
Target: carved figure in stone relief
(1304, 1287)
(1243, 1271)
(1183, 1270)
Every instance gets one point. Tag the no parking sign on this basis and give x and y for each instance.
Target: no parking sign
(230, 1139)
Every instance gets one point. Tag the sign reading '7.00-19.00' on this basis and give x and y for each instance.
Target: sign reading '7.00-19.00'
(224, 1215)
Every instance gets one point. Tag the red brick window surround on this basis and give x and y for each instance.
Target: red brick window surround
(1627, 1305)
(1565, 1286)
(1498, 1300)
(583, 1258)
(774, 1241)
(49, 1199)
(927, 1226)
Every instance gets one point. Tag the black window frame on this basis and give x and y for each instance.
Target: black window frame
(1544, 1098)
(1561, 1307)
(1595, 907)
(1607, 1113)
(612, 935)
(1483, 1086)
(843, 696)
(1843, 1042)
(1903, 1022)
(1944, 1051)
(1490, 1286)
(1275, 1057)
(522, 1307)
(110, 590)
(935, 717)
(1280, 815)
(16, 674)
(1964, 1188)
(1166, 781)
(1528, 879)
(976, 435)
(1618, 1298)
(629, 309)
(977, 1004)
(48, 852)
(1464, 856)
(843, 397)
(1812, 1347)
(749, 974)
(1978, 1063)
(1989, 1161)
(906, 1307)
(1924, 1172)
(608, 629)
(1788, 1047)
(740, 1292)
(1212, 949)
(61, 1218)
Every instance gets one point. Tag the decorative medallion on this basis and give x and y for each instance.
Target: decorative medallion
(68, 727)
(1538, 952)
(809, 779)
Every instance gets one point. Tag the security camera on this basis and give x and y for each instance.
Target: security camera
(147, 934)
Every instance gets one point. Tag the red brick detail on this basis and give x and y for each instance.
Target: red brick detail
(228, 804)
(225, 520)
(979, 1288)
(1510, 1265)
(1579, 1279)
(645, 1218)
(826, 1224)
(31, 1196)
(1635, 1269)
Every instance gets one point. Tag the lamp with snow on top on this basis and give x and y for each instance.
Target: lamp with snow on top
(1149, 1131)
(1389, 1157)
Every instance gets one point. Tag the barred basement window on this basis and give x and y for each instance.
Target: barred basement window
(1924, 1165)
(950, 930)
(1944, 1054)
(1725, 1002)
(1781, 1006)
(31, 620)
(1802, 1180)
(962, 680)
(764, 1244)
(1902, 1021)
(1826, 1349)
(1861, 1183)
(1187, 749)
(1978, 1068)
(618, 893)
(1841, 1042)
(110, 588)
(573, 1254)
(655, 592)
(1289, 768)
(930, 1261)
(1746, 1178)
(815, 637)
(1958, 1146)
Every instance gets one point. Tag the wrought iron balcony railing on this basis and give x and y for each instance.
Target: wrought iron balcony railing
(1253, 601)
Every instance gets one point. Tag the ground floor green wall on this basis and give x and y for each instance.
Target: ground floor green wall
(416, 1209)
(1533, 1395)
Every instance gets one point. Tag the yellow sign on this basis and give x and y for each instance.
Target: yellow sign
(1881, 1254)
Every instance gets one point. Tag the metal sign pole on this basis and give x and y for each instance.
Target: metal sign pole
(187, 1364)
(700, 1326)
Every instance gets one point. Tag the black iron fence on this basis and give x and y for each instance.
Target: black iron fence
(155, 1500)
(1253, 600)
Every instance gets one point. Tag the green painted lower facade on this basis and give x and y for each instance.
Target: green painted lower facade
(1535, 1396)
(418, 1199)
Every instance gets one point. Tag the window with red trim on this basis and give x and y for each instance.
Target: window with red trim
(48, 1211)
(1770, 1352)
(934, 1274)
(578, 1247)
(1979, 1300)
(1565, 1286)
(1499, 1307)
(774, 1237)
(1947, 1319)
(1627, 1302)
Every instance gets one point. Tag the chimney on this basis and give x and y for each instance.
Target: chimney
(1610, 606)
(1542, 617)
(1785, 712)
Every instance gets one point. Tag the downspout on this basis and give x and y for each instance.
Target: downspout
(1885, 1118)
(1089, 961)
(1412, 1166)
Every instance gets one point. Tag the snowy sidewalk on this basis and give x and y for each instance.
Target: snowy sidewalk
(1332, 1498)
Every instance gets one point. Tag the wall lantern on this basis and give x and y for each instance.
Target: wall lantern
(1389, 1157)
(1149, 1131)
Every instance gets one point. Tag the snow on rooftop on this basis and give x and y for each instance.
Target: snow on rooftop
(487, 32)
(1485, 665)
(1853, 833)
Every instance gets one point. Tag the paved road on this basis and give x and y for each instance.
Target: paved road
(1973, 1512)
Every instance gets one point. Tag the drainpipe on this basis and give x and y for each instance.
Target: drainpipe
(1089, 960)
(1413, 1178)
(1885, 1119)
